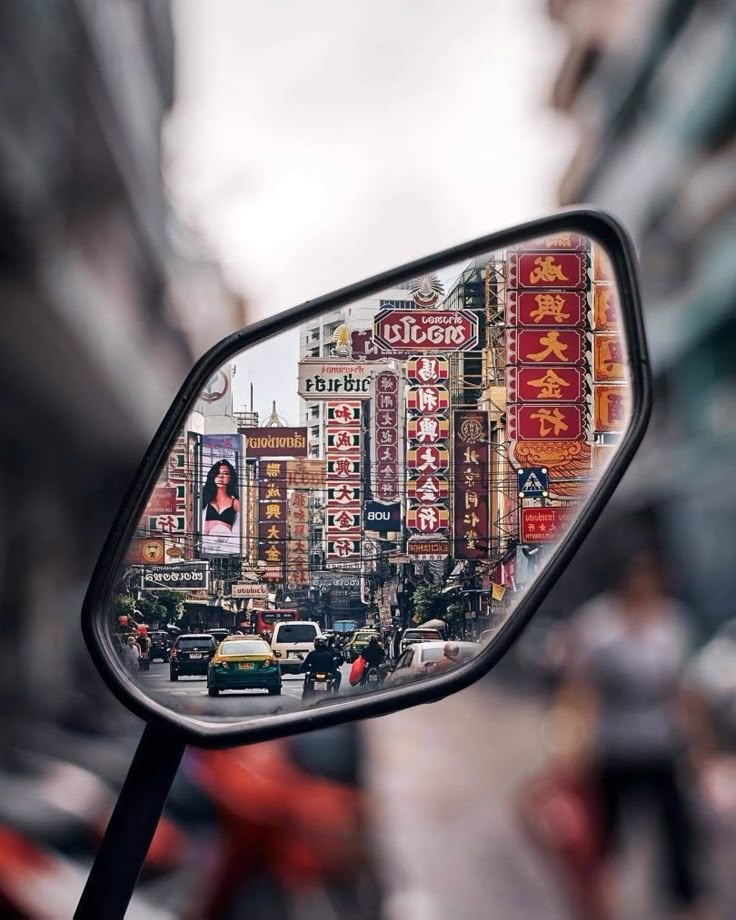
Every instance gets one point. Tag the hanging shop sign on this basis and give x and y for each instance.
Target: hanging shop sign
(428, 399)
(427, 550)
(426, 330)
(546, 346)
(611, 408)
(175, 577)
(471, 471)
(556, 270)
(425, 519)
(243, 589)
(546, 308)
(163, 500)
(428, 429)
(274, 442)
(383, 518)
(545, 525)
(545, 384)
(556, 423)
(424, 369)
(343, 453)
(321, 378)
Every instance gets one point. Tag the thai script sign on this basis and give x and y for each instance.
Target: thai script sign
(426, 330)
(321, 378)
(275, 442)
(176, 577)
(257, 592)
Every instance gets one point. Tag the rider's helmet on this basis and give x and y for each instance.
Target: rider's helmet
(320, 642)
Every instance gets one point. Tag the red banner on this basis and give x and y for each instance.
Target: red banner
(546, 308)
(563, 270)
(546, 346)
(557, 423)
(545, 384)
(471, 469)
(424, 369)
(545, 525)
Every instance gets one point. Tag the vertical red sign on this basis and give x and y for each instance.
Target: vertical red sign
(471, 467)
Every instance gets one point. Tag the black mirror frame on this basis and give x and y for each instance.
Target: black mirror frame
(595, 224)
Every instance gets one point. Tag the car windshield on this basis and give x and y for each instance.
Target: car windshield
(296, 632)
(228, 649)
(422, 634)
(196, 643)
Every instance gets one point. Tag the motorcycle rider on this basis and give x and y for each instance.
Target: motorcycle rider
(339, 659)
(374, 656)
(320, 661)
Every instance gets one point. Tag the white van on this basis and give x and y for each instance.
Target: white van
(292, 642)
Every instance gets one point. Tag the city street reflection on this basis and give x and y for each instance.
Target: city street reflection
(361, 501)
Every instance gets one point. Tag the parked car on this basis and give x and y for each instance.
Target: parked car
(190, 655)
(420, 658)
(243, 663)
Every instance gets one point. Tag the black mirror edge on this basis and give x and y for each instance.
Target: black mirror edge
(601, 227)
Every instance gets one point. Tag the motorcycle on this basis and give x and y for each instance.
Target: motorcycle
(318, 683)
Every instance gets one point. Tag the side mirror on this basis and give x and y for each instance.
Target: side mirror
(441, 436)
(276, 654)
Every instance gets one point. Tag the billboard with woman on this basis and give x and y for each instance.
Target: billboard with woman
(220, 502)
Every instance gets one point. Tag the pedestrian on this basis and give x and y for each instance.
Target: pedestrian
(628, 651)
(131, 654)
(450, 658)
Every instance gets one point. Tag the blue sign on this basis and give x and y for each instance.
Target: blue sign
(383, 518)
(533, 482)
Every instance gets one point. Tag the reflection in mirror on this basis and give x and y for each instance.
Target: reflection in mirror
(361, 501)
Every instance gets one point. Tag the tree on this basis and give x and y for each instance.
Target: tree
(174, 604)
(152, 611)
(429, 603)
(123, 606)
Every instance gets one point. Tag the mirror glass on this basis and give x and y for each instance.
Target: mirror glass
(361, 501)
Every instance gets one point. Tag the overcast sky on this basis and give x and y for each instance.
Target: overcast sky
(317, 143)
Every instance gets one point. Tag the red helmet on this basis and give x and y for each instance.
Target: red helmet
(123, 620)
(142, 629)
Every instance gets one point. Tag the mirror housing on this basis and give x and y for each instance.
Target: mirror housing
(197, 729)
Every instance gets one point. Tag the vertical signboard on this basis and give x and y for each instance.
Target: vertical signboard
(549, 357)
(386, 437)
(610, 394)
(297, 554)
(343, 451)
(471, 458)
(272, 517)
(427, 456)
(219, 505)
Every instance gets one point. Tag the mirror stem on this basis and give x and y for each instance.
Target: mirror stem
(129, 832)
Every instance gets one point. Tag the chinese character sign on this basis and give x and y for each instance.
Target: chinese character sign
(344, 500)
(386, 437)
(471, 478)
(272, 517)
(427, 456)
(298, 537)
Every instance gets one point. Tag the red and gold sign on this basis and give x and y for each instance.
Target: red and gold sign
(272, 516)
(428, 488)
(546, 308)
(424, 369)
(611, 408)
(428, 399)
(426, 330)
(609, 359)
(305, 474)
(602, 268)
(427, 519)
(546, 525)
(605, 308)
(343, 478)
(298, 546)
(559, 422)
(545, 384)
(471, 470)
(428, 459)
(561, 270)
(557, 241)
(386, 436)
(145, 552)
(428, 429)
(546, 346)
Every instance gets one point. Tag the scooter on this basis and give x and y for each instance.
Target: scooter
(318, 683)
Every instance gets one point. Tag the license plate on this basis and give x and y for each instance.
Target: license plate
(246, 665)
(195, 655)
(320, 685)
(294, 654)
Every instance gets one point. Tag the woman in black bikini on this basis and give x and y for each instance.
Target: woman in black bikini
(221, 502)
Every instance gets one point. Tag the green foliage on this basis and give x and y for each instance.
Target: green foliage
(123, 605)
(455, 611)
(172, 601)
(429, 603)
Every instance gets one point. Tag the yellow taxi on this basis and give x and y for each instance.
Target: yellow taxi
(243, 663)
